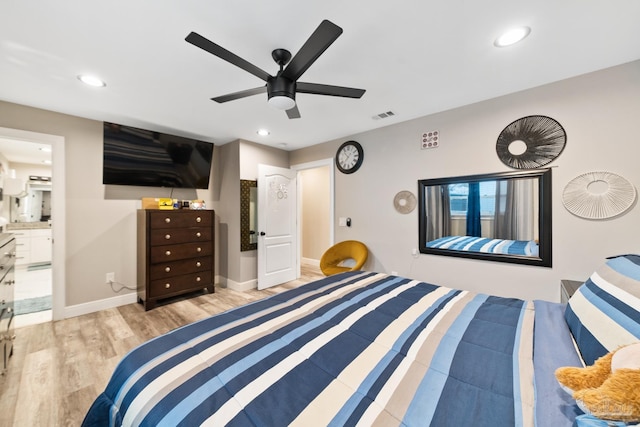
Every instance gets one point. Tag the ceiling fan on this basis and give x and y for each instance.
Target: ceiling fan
(281, 89)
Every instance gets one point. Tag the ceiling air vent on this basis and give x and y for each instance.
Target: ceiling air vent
(383, 115)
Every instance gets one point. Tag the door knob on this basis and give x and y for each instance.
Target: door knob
(262, 233)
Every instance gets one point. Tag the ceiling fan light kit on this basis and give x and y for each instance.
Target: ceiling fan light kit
(281, 93)
(281, 102)
(281, 89)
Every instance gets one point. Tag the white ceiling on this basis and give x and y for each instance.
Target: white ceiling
(413, 57)
(20, 151)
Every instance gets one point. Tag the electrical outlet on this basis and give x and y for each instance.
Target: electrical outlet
(111, 277)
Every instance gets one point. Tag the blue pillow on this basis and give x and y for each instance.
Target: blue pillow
(604, 313)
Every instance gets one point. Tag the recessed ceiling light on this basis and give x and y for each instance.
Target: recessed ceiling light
(263, 132)
(91, 80)
(512, 36)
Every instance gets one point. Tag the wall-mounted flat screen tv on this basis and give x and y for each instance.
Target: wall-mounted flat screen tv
(135, 156)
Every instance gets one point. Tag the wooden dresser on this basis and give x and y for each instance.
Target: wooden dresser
(7, 281)
(175, 253)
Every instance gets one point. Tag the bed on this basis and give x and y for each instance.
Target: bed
(486, 245)
(365, 348)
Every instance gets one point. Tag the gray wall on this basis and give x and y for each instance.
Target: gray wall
(599, 113)
(101, 222)
(598, 110)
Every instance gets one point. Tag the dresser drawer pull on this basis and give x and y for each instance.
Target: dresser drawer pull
(198, 219)
(167, 269)
(167, 220)
(167, 236)
(198, 249)
(198, 234)
(198, 279)
(167, 285)
(167, 253)
(198, 264)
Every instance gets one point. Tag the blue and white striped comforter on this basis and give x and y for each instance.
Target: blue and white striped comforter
(356, 348)
(486, 245)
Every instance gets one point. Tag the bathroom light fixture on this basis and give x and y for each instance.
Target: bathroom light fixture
(91, 80)
(263, 132)
(512, 36)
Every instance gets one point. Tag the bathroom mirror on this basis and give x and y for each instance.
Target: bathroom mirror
(33, 205)
(504, 217)
(248, 215)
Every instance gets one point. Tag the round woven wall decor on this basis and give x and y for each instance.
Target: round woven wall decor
(614, 196)
(404, 202)
(543, 139)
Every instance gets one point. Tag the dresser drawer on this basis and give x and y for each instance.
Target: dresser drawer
(6, 317)
(179, 235)
(7, 254)
(6, 291)
(180, 219)
(176, 268)
(175, 285)
(176, 252)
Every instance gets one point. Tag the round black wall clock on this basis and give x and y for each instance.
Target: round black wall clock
(349, 157)
(531, 142)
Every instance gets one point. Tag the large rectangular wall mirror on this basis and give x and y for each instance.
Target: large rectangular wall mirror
(504, 217)
(248, 215)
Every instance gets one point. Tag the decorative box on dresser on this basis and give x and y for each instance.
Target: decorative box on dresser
(175, 253)
(7, 281)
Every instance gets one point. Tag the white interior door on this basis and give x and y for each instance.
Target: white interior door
(277, 226)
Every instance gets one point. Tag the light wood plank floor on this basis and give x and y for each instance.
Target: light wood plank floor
(58, 368)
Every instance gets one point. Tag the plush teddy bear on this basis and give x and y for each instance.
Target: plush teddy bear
(610, 388)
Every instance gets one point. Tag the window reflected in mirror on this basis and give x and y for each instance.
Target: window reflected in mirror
(248, 215)
(498, 217)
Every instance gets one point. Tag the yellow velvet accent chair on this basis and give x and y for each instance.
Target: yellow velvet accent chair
(333, 260)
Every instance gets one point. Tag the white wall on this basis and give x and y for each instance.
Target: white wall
(599, 113)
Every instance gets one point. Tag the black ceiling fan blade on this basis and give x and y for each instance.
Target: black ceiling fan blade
(318, 89)
(222, 53)
(326, 33)
(241, 94)
(293, 113)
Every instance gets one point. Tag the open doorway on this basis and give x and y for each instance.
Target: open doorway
(26, 208)
(32, 206)
(315, 209)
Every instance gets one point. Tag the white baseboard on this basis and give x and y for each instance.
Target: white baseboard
(103, 304)
(244, 286)
(310, 261)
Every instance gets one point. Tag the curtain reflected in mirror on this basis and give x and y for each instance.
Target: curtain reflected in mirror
(248, 215)
(499, 217)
